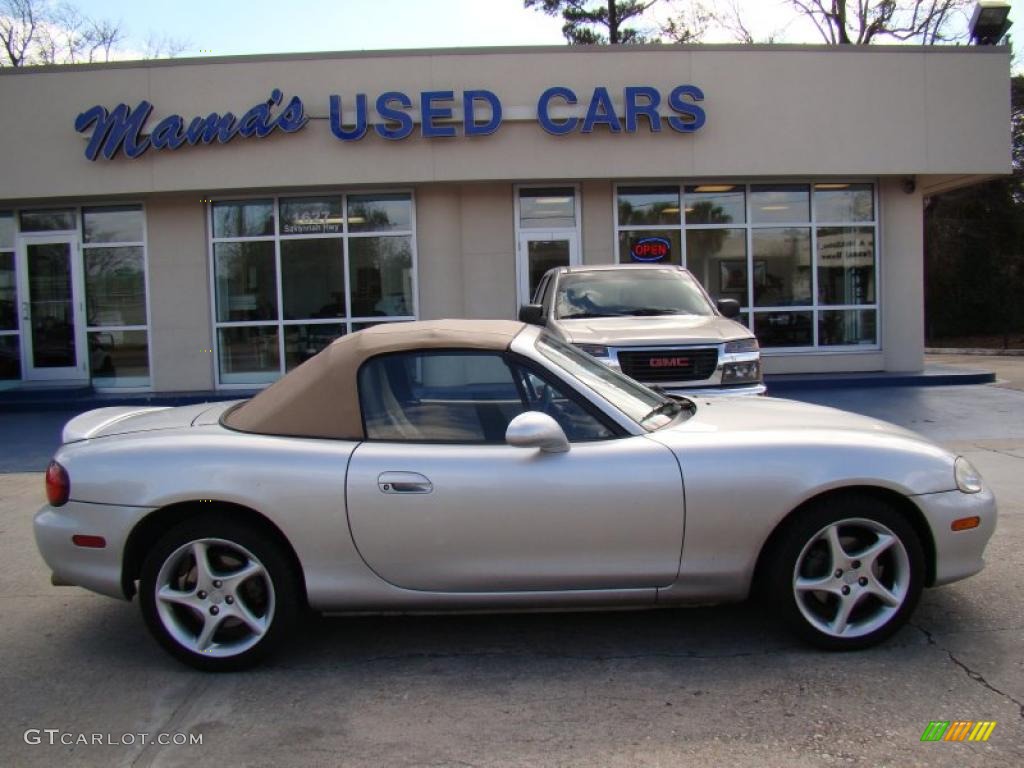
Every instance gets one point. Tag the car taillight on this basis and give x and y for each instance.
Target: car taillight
(58, 484)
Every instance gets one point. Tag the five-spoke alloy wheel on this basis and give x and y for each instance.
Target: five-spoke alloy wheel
(848, 572)
(218, 595)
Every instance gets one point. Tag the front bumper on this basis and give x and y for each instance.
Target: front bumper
(958, 554)
(98, 570)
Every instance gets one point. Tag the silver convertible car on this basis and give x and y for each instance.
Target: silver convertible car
(486, 465)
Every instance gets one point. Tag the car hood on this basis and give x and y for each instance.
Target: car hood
(664, 329)
(773, 414)
(120, 420)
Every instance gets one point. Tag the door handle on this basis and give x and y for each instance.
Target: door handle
(24, 310)
(403, 482)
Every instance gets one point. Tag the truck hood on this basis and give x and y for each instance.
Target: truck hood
(120, 420)
(664, 329)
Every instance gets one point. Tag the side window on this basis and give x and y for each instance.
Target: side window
(460, 397)
(545, 396)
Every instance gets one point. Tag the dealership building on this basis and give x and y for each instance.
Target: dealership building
(209, 224)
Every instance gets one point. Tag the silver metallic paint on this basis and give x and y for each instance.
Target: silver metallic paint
(545, 531)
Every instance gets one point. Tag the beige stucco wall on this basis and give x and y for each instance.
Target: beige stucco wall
(771, 111)
(181, 329)
(902, 276)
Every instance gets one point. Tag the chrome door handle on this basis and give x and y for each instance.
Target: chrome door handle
(403, 482)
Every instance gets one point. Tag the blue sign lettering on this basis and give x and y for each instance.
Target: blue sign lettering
(123, 129)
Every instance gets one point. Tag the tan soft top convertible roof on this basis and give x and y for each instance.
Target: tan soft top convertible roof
(320, 398)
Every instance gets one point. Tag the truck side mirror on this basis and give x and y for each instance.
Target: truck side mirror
(729, 308)
(532, 314)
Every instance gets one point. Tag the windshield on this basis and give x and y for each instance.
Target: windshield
(643, 405)
(629, 292)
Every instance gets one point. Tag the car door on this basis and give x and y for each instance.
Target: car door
(437, 501)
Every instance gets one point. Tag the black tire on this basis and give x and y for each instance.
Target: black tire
(804, 542)
(271, 597)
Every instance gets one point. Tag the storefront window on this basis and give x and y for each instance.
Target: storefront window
(648, 205)
(52, 220)
(801, 259)
(716, 204)
(292, 274)
(547, 208)
(113, 224)
(114, 257)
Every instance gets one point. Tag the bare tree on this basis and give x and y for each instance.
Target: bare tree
(860, 22)
(163, 47)
(19, 24)
(688, 23)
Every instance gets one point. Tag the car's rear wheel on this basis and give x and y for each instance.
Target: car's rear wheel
(217, 594)
(848, 572)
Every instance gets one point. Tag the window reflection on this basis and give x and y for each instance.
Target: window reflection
(779, 203)
(783, 329)
(302, 342)
(715, 204)
(113, 224)
(312, 278)
(115, 286)
(782, 267)
(718, 259)
(379, 213)
(847, 326)
(837, 202)
(119, 358)
(380, 276)
(846, 265)
(247, 218)
(648, 205)
(547, 208)
(246, 282)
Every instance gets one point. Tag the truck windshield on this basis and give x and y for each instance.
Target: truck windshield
(629, 292)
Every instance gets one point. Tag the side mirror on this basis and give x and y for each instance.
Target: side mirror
(730, 308)
(532, 314)
(534, 429)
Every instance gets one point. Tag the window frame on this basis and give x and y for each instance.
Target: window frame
(348, 320)
(511, 360)
(79, 233)
(749, 310)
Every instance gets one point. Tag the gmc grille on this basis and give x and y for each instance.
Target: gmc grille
(669, 364)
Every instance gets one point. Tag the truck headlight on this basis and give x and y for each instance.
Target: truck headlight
(741, 373)
(968, 479)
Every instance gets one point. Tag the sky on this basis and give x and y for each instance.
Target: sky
(232, 27)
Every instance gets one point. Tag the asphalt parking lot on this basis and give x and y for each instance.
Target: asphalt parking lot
(702, 686)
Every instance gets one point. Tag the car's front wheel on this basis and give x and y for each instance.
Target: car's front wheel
(217, 594)
(848, 572)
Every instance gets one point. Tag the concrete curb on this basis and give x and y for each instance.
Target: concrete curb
(974, 351)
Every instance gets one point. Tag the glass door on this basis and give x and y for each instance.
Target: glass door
(51, 307)
(539, 252)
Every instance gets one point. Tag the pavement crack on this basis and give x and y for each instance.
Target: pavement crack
(971, 673)
(192, 694)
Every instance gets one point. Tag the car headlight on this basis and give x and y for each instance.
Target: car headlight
(597, 350)
(741, 373)
(741, 345)
(968, 479)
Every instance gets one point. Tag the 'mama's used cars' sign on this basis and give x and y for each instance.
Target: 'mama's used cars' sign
(440, 114)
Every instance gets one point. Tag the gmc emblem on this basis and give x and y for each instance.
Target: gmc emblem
(669, 362)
